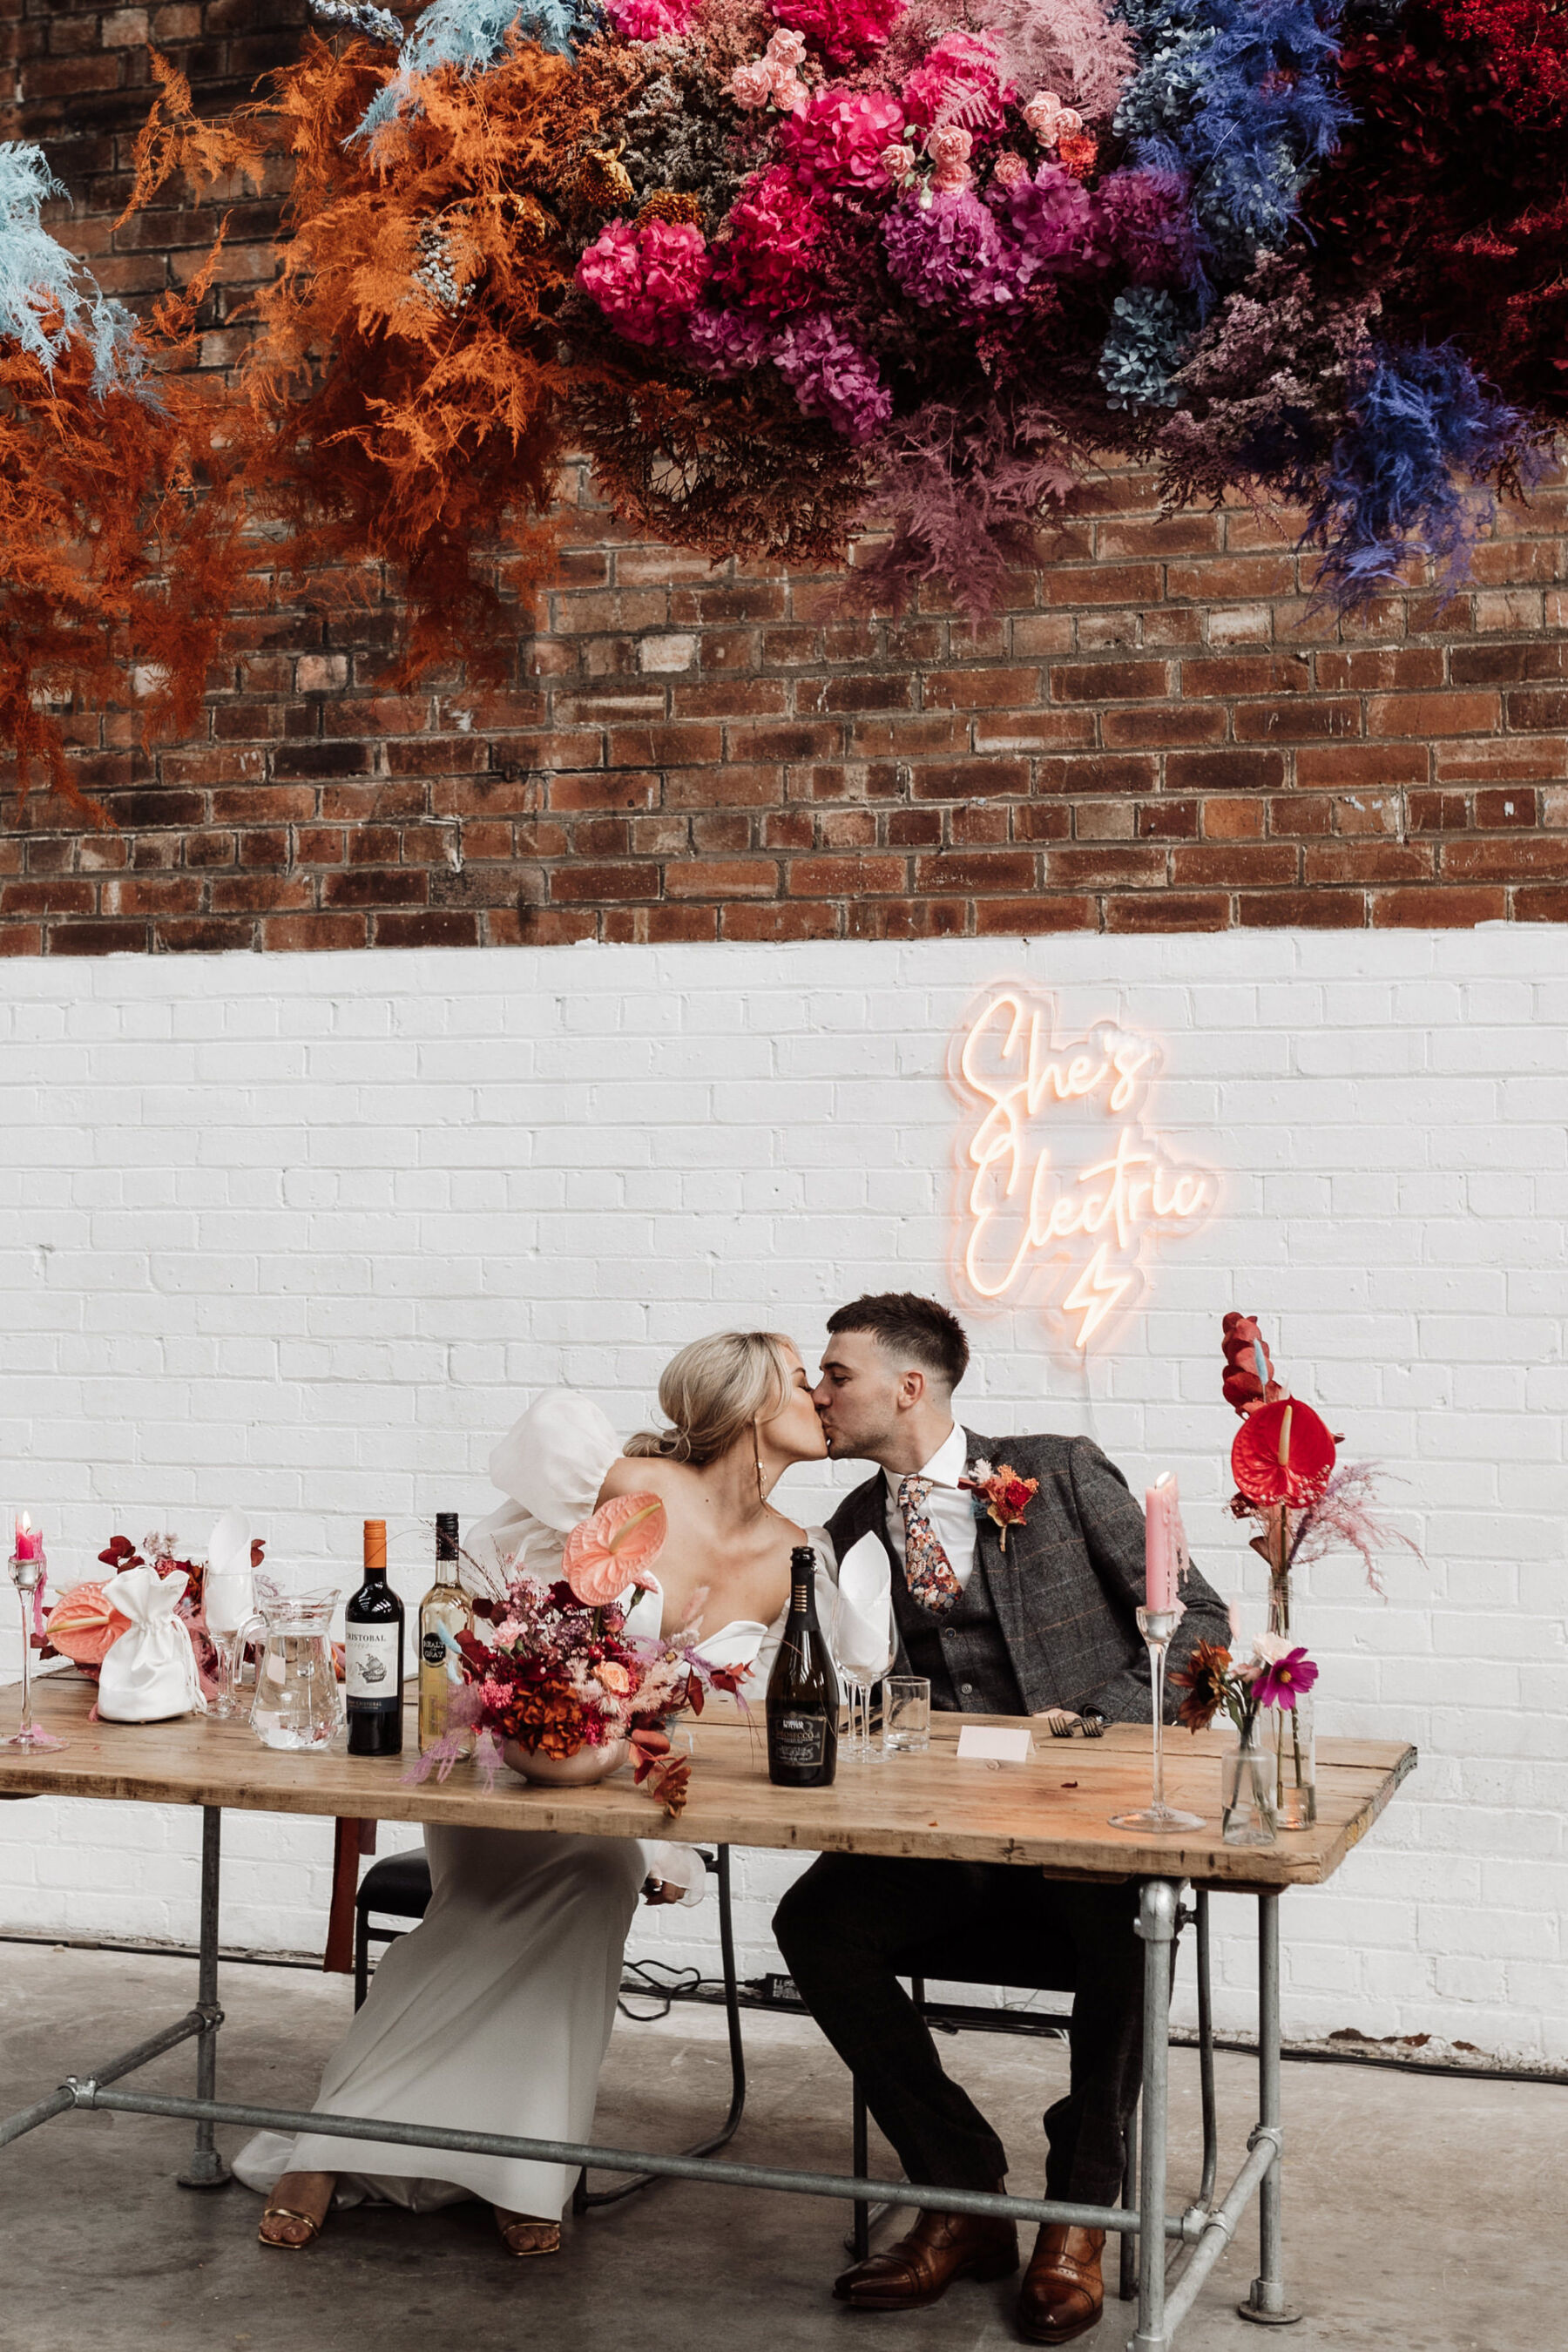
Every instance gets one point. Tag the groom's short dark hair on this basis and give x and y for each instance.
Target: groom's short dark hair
(908, 1325)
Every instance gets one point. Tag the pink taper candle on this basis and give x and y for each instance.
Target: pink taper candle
(1160, 1544)
(30, 1539)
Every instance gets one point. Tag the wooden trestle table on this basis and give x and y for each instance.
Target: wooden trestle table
(1050, 1814)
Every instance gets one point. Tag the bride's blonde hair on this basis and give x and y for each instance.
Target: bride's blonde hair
(713, 1391)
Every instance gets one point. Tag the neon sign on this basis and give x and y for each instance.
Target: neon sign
(1064, 1193)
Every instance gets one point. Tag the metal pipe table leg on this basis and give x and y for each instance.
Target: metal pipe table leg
(1266, 2304)
(206, 2168)
(1158, 1904)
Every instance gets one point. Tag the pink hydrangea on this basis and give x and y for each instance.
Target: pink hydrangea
(842, 29)
(1059, 229)
(948, 148)
(832, 377)
(727, 342)
(840, 140)
(959, 81)
(774, 231)
(947, 253)
(649, 20)
(646, 281)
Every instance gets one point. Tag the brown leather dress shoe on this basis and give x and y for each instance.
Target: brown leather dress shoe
(1063, 2294)
(918, 2269)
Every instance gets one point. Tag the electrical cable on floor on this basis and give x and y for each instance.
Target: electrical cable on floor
(656, 1981)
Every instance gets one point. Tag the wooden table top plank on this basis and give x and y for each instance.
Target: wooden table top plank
(1050, 1814)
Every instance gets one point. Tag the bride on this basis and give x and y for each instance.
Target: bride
(495, 2013)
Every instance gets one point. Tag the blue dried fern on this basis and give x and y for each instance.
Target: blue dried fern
(46, 295)
(472, 33)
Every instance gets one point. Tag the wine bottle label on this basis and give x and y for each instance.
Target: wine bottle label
(433, 1650)
(797, 1738)
(371, 1662)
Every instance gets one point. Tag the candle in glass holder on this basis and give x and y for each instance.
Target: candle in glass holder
(1162, 1544)
(29, 1541)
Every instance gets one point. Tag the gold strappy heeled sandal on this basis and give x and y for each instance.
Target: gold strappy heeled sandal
(288, 2245)
(525, 2239)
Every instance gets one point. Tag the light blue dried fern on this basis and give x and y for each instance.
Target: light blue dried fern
(472, 33)
(46, 295)
(1150, 334)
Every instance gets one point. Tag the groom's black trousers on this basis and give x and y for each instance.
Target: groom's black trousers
(856, 1923)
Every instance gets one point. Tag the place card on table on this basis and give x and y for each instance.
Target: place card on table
(980, 1743)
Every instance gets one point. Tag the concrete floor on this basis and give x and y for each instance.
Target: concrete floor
(101, 2251)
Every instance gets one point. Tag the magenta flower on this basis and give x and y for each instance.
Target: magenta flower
(840, 140)
(949, 253)
(1282, 1681)
(832, 378)
(649, 20)
(646, 281)
(769, 262)
(842, 29)
(959, 82)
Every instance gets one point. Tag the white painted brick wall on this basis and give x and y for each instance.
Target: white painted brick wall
(304, 1233)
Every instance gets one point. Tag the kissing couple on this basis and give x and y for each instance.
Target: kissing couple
(495, 2013)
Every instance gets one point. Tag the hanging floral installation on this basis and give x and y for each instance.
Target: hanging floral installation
(794, 274)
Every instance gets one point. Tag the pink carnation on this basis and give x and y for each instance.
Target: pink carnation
(840, 141)
(832, 377)
(774, 231)
(1049, 120)
(647, 280)
(959, 82)
(1009, 169)
(949, 149)
(785, 49)
(842, 29)
(751, 86)
(898, 162)
(649, 20)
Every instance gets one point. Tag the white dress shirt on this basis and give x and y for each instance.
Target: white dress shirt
(950, 1510)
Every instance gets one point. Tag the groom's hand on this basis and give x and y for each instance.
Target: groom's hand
(659, 1890)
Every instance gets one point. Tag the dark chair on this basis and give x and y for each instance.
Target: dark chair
(1010, 1960)
(399, 1888)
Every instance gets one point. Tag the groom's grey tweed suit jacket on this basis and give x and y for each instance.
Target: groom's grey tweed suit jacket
(1066, 1590)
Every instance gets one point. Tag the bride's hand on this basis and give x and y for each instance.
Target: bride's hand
(659, 1890)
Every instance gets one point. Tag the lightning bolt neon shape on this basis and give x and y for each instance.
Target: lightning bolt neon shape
(1094, 1294)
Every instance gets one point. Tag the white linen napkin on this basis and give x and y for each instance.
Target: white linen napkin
(226, 1592)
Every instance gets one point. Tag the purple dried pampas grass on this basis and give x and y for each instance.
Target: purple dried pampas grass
(1343, 1518)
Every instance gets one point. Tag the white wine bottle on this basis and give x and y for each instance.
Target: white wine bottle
(443, 1613)
(803, 1690)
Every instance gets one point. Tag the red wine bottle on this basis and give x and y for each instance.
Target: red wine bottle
(803, 1690)
(373, 1662)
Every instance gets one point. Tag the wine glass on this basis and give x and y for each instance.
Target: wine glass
(864, 1652)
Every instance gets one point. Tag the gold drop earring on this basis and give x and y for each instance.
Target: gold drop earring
(757, 1458)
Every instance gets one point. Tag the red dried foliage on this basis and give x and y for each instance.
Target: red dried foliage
(118, 546)
(1448, 190)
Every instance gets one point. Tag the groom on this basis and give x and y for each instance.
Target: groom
(1050, 1623)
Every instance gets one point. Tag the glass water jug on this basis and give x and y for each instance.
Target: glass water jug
(299, 1700)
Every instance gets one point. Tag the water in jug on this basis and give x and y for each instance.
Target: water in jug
(299, 1699)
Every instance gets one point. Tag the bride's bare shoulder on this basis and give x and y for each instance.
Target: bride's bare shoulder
(645, 1474)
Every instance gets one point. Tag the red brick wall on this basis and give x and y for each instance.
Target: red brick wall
(1155, 736)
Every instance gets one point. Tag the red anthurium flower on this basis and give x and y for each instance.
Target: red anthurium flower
(1283, 1453)
(1249, 1380)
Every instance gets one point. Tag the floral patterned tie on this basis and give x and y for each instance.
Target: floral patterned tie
(928, 1571)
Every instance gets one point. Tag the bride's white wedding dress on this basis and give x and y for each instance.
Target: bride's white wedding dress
(495, 2013)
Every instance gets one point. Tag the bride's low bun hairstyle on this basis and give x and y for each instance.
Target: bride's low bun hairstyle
(712, 1392)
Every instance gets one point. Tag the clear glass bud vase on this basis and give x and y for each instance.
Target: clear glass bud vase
(1247, 1788)
(1291, 1738)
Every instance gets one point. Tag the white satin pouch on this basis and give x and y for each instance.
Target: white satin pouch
(148, 1674)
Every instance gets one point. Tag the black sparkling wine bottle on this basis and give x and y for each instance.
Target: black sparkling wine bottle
(802, 1691)
(373, 1660)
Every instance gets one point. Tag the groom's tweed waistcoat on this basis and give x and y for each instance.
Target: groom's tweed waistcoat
(1063, 1595)
(961, 1654)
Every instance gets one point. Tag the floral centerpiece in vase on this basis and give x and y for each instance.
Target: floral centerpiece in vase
(1305, 1503)
(561, 1691)
(1277, 1680)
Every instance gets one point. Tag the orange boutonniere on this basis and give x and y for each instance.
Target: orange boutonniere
(1007, 1496)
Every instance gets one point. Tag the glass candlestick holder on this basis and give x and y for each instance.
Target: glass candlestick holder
(27, 1572)
(1157, 1626)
